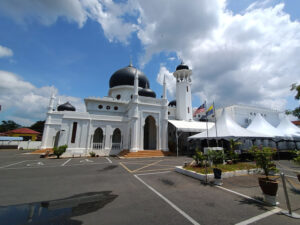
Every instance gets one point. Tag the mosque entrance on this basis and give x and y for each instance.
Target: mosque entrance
(56, 139)
(98, 139)
(149, 133)
(116, 139)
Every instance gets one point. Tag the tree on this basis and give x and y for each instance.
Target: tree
(8, 125)
(296, 111)
(38, 126)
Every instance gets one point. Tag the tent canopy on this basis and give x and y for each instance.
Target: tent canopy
(288, 128)
(190, 126)
(260, 125)
(227, 128)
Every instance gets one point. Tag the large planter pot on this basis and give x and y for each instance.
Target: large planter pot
(269, 189)
(217, 176)
(298, 175)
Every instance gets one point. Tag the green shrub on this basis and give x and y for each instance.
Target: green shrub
(217, 157)
(263, 158)
(92, 154)
(199, 157)
(296, 158)
(60, 150)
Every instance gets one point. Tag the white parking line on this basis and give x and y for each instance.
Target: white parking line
(66, 162)
(242, 195)
(168, 201)
(143, 174)
(259, 217)
(15, 163)
(108, 160)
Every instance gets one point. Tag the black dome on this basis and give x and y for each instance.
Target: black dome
(66, 107)
(172, 103)
(182, 66)
(147, 93)
(125, 76)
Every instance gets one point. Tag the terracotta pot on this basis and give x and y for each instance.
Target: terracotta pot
(298, 175)
(268, 186)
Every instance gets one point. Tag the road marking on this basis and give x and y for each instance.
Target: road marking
(35, 164)
(13, 164)
(143, 174)
(86, 160)
(151, 164)
(287, 168)
(108, 160)
(168, 201)
(242, 195)
(66, 162)
(125, 167)
(259, 217)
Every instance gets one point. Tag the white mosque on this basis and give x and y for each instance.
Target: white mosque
(129, 118)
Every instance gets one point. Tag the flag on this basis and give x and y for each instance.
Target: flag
(210, 110)
(200, 109)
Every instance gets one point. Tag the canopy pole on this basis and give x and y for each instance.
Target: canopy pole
(177, 142)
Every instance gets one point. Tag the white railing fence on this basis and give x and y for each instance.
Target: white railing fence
(116, 146)
(97, 145)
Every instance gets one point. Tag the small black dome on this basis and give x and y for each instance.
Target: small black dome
(66, 107)
(172, 103)
(182, 66)
(126, 75)
(147, 93)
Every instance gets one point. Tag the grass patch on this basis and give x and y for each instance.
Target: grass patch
(224, 168)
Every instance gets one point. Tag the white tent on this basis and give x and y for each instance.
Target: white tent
(227, 128)
(190, 126)
(260, 125)
(288, 128)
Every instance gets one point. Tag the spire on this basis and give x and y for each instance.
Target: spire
(51, 103)
(130, 61)
(136, 83)
(164, 88)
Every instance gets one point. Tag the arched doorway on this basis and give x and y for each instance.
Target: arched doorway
(98, 139)
(56, 140)
(149, 133)
(116, 139)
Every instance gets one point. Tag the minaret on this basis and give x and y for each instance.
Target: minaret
(134, 115)
(46, 139)
(51, 103)
(164, 126)
(183, 92)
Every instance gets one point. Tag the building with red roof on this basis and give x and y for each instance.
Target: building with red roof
(26, 133)
(297, 123)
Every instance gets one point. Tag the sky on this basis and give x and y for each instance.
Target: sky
(240, 51)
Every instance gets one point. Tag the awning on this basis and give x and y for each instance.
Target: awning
(190, 126)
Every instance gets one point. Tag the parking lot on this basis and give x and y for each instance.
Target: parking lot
(109, 190)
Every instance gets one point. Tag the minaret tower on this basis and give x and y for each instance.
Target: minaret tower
(183, 92)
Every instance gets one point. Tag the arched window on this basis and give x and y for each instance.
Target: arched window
(116, 108)
(108, 107)
(100, 106)
(116, 138)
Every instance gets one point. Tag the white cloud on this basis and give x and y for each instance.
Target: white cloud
(5, 52)
(170, 80)
(27, 102)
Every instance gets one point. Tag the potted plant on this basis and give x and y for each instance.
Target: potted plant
(60, 150)
(296, 160)
(92, 154)
(216, 157)
(263, 159)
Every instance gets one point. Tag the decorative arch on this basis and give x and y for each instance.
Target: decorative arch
(116, 139)
(98, 138)
(150, 134)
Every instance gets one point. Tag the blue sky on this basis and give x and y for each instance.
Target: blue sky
(75, 55)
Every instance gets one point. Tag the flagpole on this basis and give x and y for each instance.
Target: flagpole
(215, 123)
(206, 125)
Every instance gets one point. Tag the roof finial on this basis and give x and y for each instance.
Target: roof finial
(130, 62)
